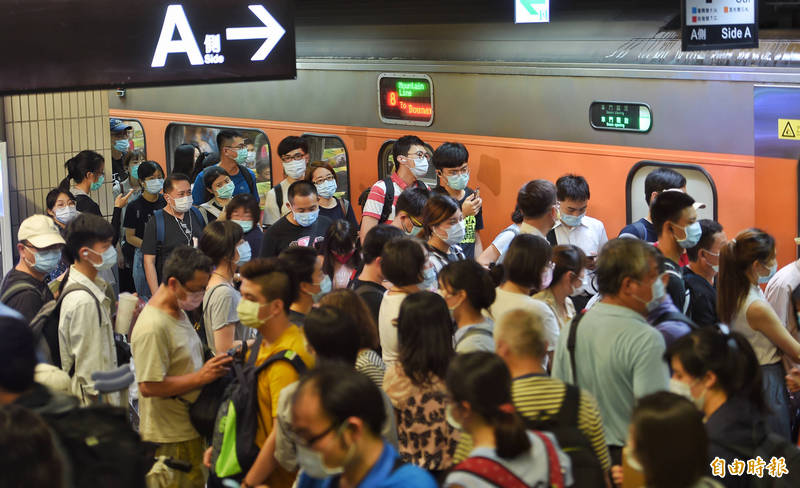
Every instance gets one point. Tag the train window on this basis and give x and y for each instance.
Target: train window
(386, 163)
(204, 138)
(136, 135)
(331, 149)
(699, 185)
(405, 99)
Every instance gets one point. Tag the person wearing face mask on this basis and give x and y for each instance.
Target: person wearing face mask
(617, 355)
(60, 208)
(701, 273)
(568, 267)
(312, 282)
(744, 263)
(293, 153)
(337, 417)
(408, 210)
(120, 144)
(452, 169)
(302, 226)
(232, 157)
(168, 357)
(177, 224)
(341, 252)
(243, 209)
(369, 284)
(86, 341)
(137, 214)
(674, 216)
(219, 187)
(223, 243)
(479, 385)
(719, 373)
(410, 164)
(468, 290)
(322, 175)
(129, 179)
(39, 245)
(444, 227)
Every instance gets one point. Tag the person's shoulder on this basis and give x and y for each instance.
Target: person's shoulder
(592, 222)
(409, 475)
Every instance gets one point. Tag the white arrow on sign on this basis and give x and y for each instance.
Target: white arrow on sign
(272, 32)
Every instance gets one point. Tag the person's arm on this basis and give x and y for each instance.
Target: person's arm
(367, 222)
(178, 385)
(762, 318)
(373, 208)
(265, 462)
(130, 238)
(150, 272)
(149, 249)
(223, 338)
(779, 297)
(478, 246)
(591, 424)
(487, 256)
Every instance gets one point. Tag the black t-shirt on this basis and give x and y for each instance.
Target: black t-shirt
(676, 288)
(117, 168)
(175, 235)
(337, 213)
(703, 304)
(28, 302)
(643, 229)
(139, 212)
(472, 225)
(284, 234)
(371, 293)
(84, 203)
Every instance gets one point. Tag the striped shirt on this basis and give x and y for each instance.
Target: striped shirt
(377, 194)
(370, 363)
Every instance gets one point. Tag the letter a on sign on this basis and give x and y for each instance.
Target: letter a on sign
(175, 18)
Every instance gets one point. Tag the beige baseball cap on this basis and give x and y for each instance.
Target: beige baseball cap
(696, 205)
(40, 231)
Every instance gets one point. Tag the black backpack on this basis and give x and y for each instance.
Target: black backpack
(100, 446)
(388, 199)
(586, 468)
(771, 446)
(674, 316)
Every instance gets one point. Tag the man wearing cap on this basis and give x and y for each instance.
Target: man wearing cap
(119, 144)
(39, 249)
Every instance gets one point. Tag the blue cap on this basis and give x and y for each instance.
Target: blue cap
(118, 125)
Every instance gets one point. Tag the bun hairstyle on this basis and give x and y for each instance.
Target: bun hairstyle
(79, 165)
(735, 259)
(482, 380)
(567, 258)
(471, 277)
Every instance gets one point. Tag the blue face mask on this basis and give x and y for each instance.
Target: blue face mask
(226, 191)
(246, 225)
(244, 253)
(241, 156)
(324, 288)
(572, 220)
(97, 184)
(121, 145)
(693, 233)
(306, 219)
(326, 189)
(154, 186)
(772, 270)
(135, 171)
(45, 261)
(109, 258)
(458, 182)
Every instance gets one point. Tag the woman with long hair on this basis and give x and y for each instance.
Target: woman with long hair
(569, 263)
(744, 263)
(341, 252)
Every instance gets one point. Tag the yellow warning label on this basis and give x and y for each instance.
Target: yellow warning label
(789, 129)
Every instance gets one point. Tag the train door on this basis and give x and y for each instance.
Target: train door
(331, 149)
(699, 185)
(6, 246)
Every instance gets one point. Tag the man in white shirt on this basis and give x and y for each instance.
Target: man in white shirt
(779, 294)
(576, 228)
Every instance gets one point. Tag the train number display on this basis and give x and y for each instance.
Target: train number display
(405, 99)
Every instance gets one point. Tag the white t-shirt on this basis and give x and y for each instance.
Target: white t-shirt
(507, 301)
(387, 330)
(504, 238)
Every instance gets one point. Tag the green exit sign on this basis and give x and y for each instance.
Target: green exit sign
(621, 116)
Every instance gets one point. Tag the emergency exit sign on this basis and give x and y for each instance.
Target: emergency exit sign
(531, 11)
(719, 24)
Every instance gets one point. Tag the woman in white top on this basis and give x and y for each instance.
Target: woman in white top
(745, 262)
(218, 184)
(444, 228)
(223, 242)
(568, 267)
(500, 244)
(479, 385)
(468, 290)
(522, 273)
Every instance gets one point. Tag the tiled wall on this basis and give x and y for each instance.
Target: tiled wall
(43, 131)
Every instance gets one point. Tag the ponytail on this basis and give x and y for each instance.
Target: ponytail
(497, 273)
(735, 259)
(77, 166)
(510, 434)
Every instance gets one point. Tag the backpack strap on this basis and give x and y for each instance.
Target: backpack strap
(345, 207)
(673, 316)
(571, 343)
(78, 287)
(473, 332)
(18, 288)
(285, 355)
(554, 466)
(568, 413)
(202, 219)
(491, 472)
(248, 177)
(201, 324)
(388, 200)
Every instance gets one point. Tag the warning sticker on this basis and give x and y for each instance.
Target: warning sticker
(789, 129)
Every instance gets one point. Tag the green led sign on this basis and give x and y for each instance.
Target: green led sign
(621, 116)
(405, 99)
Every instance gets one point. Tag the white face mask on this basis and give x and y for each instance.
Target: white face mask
(313, 464)
(680, 388)
(183, 204)
(420, 168)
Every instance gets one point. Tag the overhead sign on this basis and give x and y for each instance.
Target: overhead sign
(531, 11)
(405, 99)
(719, 24)
(789, 129)
(624, 116)
(100, 44)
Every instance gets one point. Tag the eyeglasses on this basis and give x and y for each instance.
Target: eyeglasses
(293, 157)
(419, 154)
(303, 442)
(328, 178)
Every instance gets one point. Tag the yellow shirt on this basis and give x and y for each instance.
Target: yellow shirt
(270, 383)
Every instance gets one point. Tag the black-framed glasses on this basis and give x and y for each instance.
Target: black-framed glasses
(326, 179)
(293, 157)
(419, 154)
(301, 441)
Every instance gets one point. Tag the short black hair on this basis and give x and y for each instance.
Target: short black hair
(709, 228)
(301, 188)
(572, 187)
(344, 393)
(450, 155)
(171, 179)
(412, 200)
(536, 198)
(668, 206)
(182, 263)
(219, 240)
(301, 260)
(246, 201)
(333, 334)
(273, 278)
(376, 239)
(17, 355)
(662, 179)
(525, 261)
(52, 197)
(402, 261)
(225, 136)
(471, 277)
(148, 169)
(402, 146)
(290, 143)
(85, 230)
(212, 173)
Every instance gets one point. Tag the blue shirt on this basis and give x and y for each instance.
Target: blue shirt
(382, 475)
(239, 182)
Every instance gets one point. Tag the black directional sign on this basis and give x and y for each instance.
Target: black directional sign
(61, 44)
(719, 24)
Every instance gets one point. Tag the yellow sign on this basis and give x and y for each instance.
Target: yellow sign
(789, 129)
